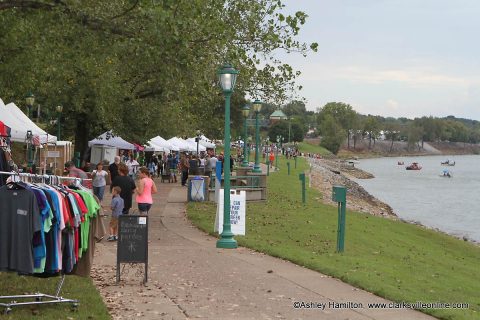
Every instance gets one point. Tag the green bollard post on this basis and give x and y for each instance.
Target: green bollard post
(268, 168)
(301, 177)
(288, 167)
(295, 162)
(339, 194)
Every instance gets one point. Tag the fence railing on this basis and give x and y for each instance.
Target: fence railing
(236, 182)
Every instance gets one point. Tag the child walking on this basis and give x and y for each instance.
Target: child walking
(117, 208)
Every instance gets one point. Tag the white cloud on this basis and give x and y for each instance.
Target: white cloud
(392, 104)
(413, 78)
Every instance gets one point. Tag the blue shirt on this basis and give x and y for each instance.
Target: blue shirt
(117, 206)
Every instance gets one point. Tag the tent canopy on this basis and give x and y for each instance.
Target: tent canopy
(207, 143)
(19, 124)
(160, 142)
(179, 143)
(110, 139)
(152, 146)
(201, 147)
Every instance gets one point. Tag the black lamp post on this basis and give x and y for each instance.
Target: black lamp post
(29, 100)
(197, 139)
(59, 117)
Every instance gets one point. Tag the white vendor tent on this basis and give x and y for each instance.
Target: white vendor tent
(207, 143)
(19, 124)
(152, 146)
(192, 142)
(162, 143)
(112, 140)
(181, 144)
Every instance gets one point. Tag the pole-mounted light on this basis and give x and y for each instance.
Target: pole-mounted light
(245, 113)
(227, 77)
(257, 106)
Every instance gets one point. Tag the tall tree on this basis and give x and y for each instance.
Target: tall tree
(342, 113)
(333, 134)
(371, 127)
(141, 66)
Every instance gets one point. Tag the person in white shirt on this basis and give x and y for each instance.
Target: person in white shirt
(99, 181)
(210, 164)
(132, 165)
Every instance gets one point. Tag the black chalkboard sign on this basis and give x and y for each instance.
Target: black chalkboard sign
(132, 246)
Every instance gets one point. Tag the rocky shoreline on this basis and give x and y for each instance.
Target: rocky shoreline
(326, 173)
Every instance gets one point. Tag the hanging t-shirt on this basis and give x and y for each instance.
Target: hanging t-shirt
(93, 207)
(19, 220)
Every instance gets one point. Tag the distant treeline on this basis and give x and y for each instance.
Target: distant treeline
(337, 121)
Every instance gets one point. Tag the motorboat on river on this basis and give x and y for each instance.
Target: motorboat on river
(414, 166)
(400, 163)
(448, 163)
(446, 174)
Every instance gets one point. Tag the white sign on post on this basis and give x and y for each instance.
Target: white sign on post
(53, 154)
(238, 201)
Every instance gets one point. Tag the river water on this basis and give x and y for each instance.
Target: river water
(449, 204)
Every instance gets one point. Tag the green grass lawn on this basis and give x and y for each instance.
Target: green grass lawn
(90, 306)
(312, 148)
(395, 260)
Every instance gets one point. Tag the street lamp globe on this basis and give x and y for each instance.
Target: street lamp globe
(227, 77)
(257, 105)
(245, 111)
(29, 99)
(59, 109)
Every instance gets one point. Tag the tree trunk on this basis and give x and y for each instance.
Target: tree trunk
(81, 136)
(369, 141)
(348, 140)
(391, 146)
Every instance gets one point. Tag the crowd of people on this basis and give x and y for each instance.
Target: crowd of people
(130, 177)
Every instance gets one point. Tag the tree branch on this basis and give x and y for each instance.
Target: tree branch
(32, 4)
(126, 11)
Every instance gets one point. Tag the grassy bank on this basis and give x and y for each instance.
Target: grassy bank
(312, 146)
(90, 306)
(395, 260)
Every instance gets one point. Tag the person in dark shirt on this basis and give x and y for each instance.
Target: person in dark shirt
(113, 169)
(126, 184)
(194, 163)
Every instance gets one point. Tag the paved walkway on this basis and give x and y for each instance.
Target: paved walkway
(190, 278)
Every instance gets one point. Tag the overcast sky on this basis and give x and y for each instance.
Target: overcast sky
(400, 58)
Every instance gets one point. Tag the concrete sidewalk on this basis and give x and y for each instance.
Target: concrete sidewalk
(190, 278)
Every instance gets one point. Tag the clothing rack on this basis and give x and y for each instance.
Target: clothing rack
(44, 177)
(40, 298)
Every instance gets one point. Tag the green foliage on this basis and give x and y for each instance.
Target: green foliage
(279, 128)
(287, 128)
(144, 68)
(333, 134)
(393, 259)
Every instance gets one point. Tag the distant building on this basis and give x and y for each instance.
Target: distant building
(277, 116)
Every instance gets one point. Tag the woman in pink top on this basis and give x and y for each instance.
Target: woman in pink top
(146, 187)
